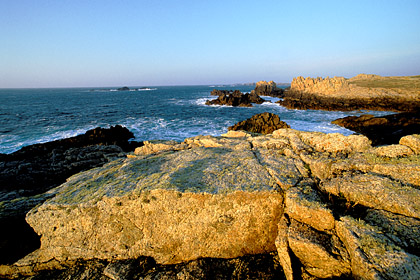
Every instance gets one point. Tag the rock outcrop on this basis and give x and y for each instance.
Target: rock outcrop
(383, 130)
(327, 205)
(220, 92)
(36, 168)
(361, 92)
(264, 88)
(123, 89)
(26, 174)
(264, 123)
(234, 98)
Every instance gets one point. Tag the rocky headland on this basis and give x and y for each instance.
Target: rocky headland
(234, 98)
(285, 205)
(370, 92)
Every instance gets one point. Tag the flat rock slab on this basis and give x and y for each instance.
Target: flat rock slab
(205, 202)
(373, 254)
(377, 192)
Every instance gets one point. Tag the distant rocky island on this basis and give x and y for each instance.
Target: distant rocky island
(124, 88)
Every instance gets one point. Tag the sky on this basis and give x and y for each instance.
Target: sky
(81, 43)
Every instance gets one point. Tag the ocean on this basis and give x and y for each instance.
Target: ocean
(29, 116)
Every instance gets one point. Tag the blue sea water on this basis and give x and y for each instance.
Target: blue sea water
(29, 116)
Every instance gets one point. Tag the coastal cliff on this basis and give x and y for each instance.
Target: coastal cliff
(363, 91)
(324, 205)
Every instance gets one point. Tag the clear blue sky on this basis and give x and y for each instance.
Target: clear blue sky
(61, 43)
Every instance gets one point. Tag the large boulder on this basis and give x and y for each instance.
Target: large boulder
(264, 123)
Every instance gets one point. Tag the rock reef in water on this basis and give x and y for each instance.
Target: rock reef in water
(371, 92)
(326, 205)
(383, 130)
(264, 123)
(234, 98)
(264, 88)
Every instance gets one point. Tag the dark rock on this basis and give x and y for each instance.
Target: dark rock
(234, 98)
(217, 92)
(264, 88)
(255, 98)
(264, 266)
(123, 88)
(39, 167)
(307, 101)
(264, 123)
(383, 130)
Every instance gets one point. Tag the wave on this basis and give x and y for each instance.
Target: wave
(129, 90)
(144, 89)
(202, 101)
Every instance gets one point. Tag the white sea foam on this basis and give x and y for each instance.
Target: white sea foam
(272, 99)
(202, 101)
(11, 143)
(144, 89)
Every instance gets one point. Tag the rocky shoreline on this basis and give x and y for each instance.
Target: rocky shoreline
(383, 130)
(362, 92)
(26, 175)
(284, 205)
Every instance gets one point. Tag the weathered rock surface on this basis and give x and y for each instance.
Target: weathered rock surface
(264, 88)
(235, 98)
(329, 205)
(383, 130)
(361, 92)
(264, 123)
(199, 199)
